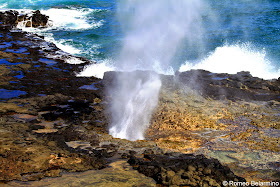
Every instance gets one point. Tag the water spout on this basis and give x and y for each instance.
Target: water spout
(154, 30)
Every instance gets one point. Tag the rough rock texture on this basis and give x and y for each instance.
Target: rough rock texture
(118, 174)
(183, 170)
(52, 122)
(240, 132)
(239, 127)
(42, 106)
(218, 86)
(36, 19)
(10, 19)
(240, 86)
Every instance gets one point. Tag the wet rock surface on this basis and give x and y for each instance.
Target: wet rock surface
(240, 86)
(240, 130)
(52, 122)
(219, 86)
(36, 19)
(42, 107)
(10, 19)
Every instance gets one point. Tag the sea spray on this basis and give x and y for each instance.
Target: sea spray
(134, 99)
(153, 30)
(67, 19)
(235, 58)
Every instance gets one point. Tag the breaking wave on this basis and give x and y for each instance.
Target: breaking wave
(235, 58)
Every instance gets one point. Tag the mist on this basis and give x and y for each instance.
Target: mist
(153, 31)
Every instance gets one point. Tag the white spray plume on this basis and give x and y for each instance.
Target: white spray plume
(154, 30)
(135, 98)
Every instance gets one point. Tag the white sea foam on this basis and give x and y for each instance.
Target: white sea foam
(235, 58)
(98, 69)
(63, 19)
(74, 60)
(64, 45)
(3, 6)
(70, 18)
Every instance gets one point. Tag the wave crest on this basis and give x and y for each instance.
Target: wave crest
(235, 58)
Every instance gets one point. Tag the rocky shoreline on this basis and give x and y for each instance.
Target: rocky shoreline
(52, 122)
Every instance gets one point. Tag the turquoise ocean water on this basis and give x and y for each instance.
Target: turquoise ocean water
(235, 35)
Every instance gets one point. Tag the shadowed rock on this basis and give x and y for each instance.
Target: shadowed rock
(240, 86)
(35, 20)
(8, 19)
(69, 129)
(183, 170)
(11, 18)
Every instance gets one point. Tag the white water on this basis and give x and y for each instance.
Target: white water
(155, 29)
(153, 32)
(135, 98)
(235, 58)
(63, 19)
(2, 6)
(98, 70)
(74, 19)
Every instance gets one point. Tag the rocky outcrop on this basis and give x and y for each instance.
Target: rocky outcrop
(36, 19)
(183, 170)
(240, 86)
(33, 133)
(10, 19)
(232, 117)
(52, 121)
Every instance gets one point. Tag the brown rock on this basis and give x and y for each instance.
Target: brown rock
(170, 175)
(53, 173)
(207, 171)
(176, 180)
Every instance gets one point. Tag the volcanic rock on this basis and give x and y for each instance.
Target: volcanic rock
(240, 86)
(35, 20)
(50, 122)
(8, 19)
(183, 170)
(11, 18)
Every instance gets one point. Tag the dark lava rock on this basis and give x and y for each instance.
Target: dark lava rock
(8, 18)
(183, 170)
(35, 20)
(52, 89)
(240, 86)
(39, 20)
(11, 18)
(37, 67)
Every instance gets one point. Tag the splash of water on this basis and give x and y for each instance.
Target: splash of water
(98, 69)
(63, 19)
(235, 58)
(153, 32)
(135, 98)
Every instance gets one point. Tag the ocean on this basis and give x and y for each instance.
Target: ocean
(222, 36)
